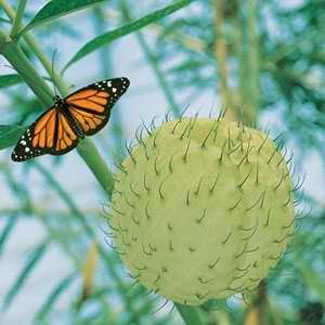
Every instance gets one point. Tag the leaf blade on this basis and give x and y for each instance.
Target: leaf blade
(60, 288)
(110, 36)
(9, 227)
(9, 135)
(10, 80)
(55, 9)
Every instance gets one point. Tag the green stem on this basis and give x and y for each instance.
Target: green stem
(96, 164)
(253, 60)
(10, 50)
(86, 149)
(18, 18)
(190, 315)
(221, 56)
(33, 45)
(249, 63)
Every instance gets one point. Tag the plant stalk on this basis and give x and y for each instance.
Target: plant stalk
(33, 45)
(96, 164)
(15, 56)
(249, 63)
(220, 53)
(18, 18)
(190, 315)
(10, 50)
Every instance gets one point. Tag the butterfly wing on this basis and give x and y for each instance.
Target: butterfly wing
(66, 138)
(91, 106)
(52, 132)
(49, 134)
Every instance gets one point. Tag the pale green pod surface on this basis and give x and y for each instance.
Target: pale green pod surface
(202, 209)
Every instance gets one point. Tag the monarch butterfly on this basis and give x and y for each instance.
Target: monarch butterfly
(58, 130)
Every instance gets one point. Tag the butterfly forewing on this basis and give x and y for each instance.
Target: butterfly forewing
(84, 112)
(91, 106)
(37, 139)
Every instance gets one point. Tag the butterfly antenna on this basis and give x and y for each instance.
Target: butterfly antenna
(53, 76)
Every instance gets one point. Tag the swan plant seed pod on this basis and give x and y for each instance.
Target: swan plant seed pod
(202, 209)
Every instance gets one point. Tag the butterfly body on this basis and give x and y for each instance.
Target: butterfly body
(63, 108)
(82, 113)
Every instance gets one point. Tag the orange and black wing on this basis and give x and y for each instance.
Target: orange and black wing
(54, 133)
(91, 106)
(51, 134)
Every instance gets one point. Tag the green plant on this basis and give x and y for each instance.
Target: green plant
(264, 59)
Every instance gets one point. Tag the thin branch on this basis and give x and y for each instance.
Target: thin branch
(18, 18)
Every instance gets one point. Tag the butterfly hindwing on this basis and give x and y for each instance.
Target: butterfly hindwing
(91, 106)
(66, 138)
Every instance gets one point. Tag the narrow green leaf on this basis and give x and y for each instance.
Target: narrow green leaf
(108, 37)
(54, 296)
(9, 135)
(8, 80)
(3, 20)
(11, 222)
(32, 261)
(55, 9)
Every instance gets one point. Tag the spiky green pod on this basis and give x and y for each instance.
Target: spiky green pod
(202, 209)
